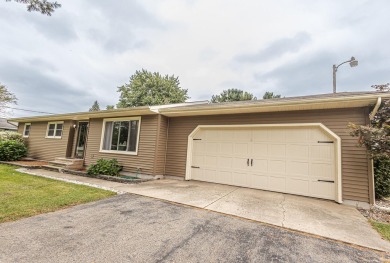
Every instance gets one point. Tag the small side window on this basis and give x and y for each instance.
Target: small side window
(26, 131)
(54, 130)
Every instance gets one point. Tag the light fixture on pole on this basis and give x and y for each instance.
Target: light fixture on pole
(352, 62)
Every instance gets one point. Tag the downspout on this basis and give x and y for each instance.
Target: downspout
(375, 110)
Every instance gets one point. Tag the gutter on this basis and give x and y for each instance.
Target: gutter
(375, 110)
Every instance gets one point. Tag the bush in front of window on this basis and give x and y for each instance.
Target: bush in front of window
(11, 136)
(12, 150)
(105, 167)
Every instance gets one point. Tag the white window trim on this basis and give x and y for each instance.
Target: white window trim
(55, 129)
(24, 130)
(120, 119)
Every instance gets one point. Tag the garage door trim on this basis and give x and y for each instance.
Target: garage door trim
(338, 197)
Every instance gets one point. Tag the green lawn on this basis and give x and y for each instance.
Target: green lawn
(382, 228)
(23, 195)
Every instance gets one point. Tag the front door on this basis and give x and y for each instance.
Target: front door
(81, 139)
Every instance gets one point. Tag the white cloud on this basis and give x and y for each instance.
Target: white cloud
(88, 48)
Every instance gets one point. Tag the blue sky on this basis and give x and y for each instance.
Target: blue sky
(88, 48)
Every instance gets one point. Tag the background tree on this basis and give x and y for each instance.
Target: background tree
(95, 106)
(6, 98)
(376, 139)
(150, 88)
(232, 95)
(110, 107)
(43, 6)
(271, 95)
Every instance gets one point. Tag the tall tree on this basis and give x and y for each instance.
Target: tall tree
(271, 95)
(232, 95)
(95, 106)
(151, 88)
(43, 6)
(6, 98)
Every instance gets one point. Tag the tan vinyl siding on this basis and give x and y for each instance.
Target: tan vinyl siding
(42, 148)
(146, 147)
(159, 167)
(355, 184)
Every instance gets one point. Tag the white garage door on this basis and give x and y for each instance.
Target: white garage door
(296, 160)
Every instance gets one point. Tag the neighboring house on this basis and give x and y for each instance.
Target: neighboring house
(7, 126)
(297, 145)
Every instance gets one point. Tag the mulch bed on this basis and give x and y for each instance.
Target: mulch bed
(377, 214)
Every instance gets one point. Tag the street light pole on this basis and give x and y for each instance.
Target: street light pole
(352, 62)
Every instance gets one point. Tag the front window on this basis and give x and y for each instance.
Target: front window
(27, 128)
(121, 135)
(54, 129)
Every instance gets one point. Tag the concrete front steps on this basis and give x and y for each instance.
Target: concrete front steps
(65, 163)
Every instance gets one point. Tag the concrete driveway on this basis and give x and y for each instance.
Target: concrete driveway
(309, 215)
(132, 228)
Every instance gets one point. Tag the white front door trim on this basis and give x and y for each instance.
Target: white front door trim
(338, 197)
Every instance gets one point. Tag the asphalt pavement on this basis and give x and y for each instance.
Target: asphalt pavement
(131, 228)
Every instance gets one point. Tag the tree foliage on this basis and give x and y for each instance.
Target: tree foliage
(271, 95)
(110, 107)
(95, 106)
(376, 137)
(232, 95)
(151, 88)
(42, 6)
(6, 97)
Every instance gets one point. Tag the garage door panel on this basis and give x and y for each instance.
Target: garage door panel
(297, 135)
(240, 179)
(241, 150)
(260, 165)
(277, 135)
(260, 135)
(197, 160)
(318, 135)
(211, 147)
(277, 167)
(297, 186)
(242, 135)
(297, 151)
(225, 162)
(295, 168)
(322, 170)
(198, 147)
(322, 152)
(277, 150)
(225, 135)
(224, 177)
(226, 148)
(277, 184)
(210, 161)
(322, 189)
(282, 159)
(260, 149)
(259, 181)
(240, 164)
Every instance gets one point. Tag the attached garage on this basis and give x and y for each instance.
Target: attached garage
(302, 159)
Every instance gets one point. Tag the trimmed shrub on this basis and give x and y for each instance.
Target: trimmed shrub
(382, 177)
(11, 136)
(105, 167)
(12, 150)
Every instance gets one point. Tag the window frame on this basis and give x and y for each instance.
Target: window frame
(138, 118)
(24, 130)
(55, 130)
